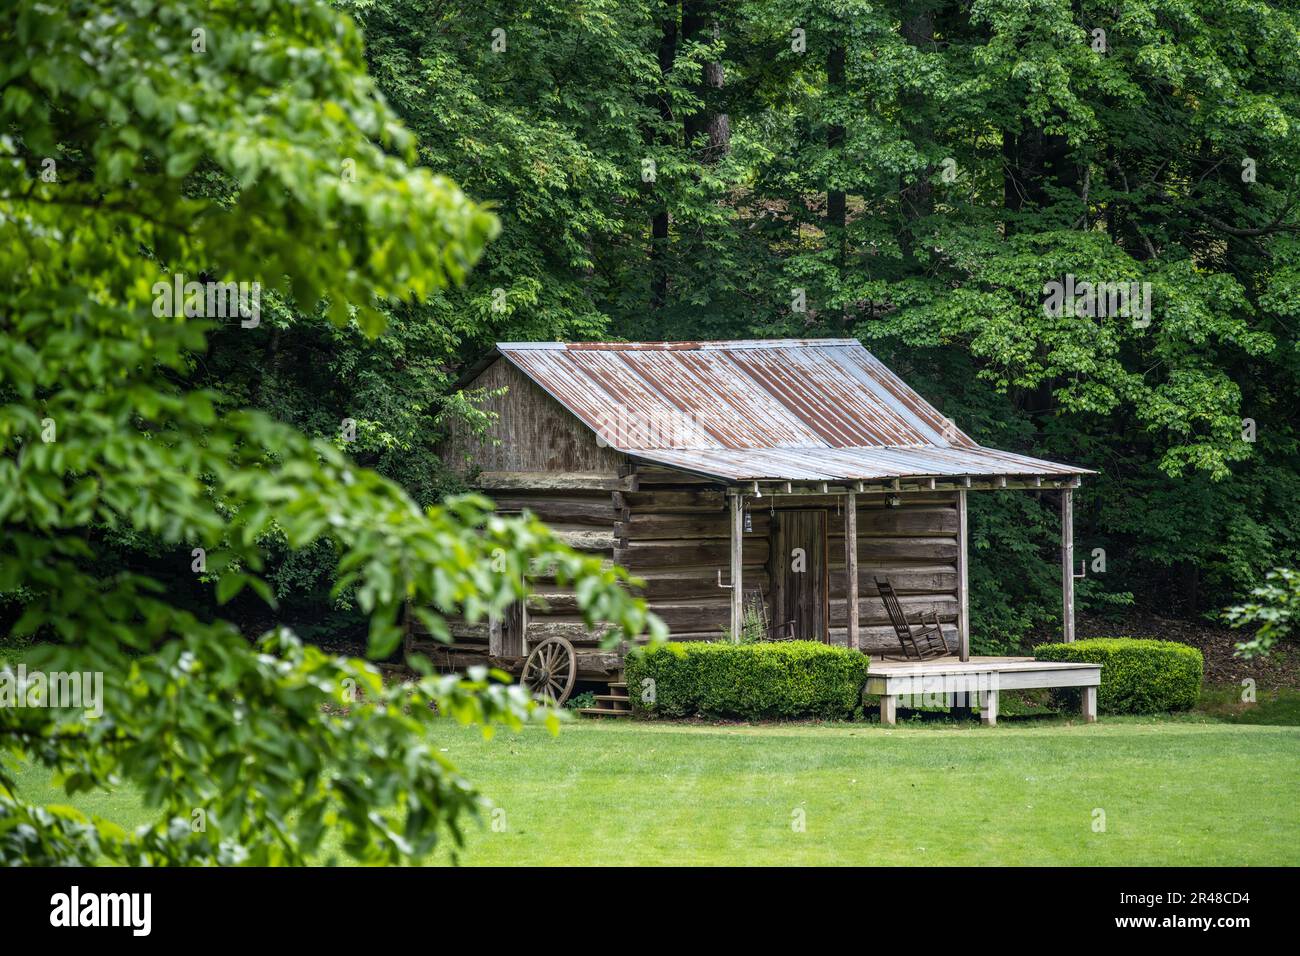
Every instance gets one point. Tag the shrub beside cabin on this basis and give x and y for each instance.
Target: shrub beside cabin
(729, 476)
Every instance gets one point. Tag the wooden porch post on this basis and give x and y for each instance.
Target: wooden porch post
(737, 566)
(963, 581)
(1067, 563)
(851, 565)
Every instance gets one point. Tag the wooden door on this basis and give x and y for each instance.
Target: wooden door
(508, 635)
(799, 575)
(514, 630)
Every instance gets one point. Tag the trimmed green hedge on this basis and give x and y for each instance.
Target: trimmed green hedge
(765, 681)
(1137, 676)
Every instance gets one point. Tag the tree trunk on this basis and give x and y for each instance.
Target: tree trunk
(917, 197)
(699, 23)
(719, 123)
(659, 222)
(836, 200)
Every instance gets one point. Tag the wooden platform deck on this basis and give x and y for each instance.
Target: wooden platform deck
(951, 682)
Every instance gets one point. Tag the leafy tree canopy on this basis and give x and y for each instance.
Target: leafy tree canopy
(223, 142)
(915, 173)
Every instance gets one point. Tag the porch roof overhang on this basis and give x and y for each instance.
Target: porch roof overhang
(822, 464)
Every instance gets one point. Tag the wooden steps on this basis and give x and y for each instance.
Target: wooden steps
(613, 704)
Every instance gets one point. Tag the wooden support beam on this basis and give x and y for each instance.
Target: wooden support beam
(989, 708)
(888, 710)
(851, 564)
(760, 488)
(737, 566)
(1090, 705)
(553, 481)
(963, 580)
(906, 486)
(1067, 564)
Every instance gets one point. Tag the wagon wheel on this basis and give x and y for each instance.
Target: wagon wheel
(551, 670)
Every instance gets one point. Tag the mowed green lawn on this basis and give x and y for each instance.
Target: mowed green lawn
(1173, 791)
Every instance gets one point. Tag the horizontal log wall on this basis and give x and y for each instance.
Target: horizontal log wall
(673, 532)
(677, 538)
(584, 512)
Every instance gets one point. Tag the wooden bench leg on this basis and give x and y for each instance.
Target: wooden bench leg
(888, 709)
(1090, 705)
(989, 711)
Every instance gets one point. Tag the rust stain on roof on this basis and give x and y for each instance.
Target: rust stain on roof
(791, 409)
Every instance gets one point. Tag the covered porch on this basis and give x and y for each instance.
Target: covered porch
(811, 606)
(953, 679)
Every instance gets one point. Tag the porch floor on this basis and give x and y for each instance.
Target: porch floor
(949, 681)
(951, 663)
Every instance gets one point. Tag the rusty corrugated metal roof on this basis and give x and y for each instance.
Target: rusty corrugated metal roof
(782, 409)
(853, 464)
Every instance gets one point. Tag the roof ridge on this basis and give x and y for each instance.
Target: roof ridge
(681, 346)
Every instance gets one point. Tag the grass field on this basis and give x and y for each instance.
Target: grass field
(1218, 787)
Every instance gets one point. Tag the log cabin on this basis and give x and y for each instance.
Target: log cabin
(767, 484)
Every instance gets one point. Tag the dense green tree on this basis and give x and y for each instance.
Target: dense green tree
(912, 172)
(1274, 609)
(118, 119)
(915, 173)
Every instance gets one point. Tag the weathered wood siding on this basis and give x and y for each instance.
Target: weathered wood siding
(584, 512)
(534, 432)
(586, 519)
(543, 460)
(676, 537)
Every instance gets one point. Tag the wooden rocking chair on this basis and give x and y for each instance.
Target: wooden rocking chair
(929, 641)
